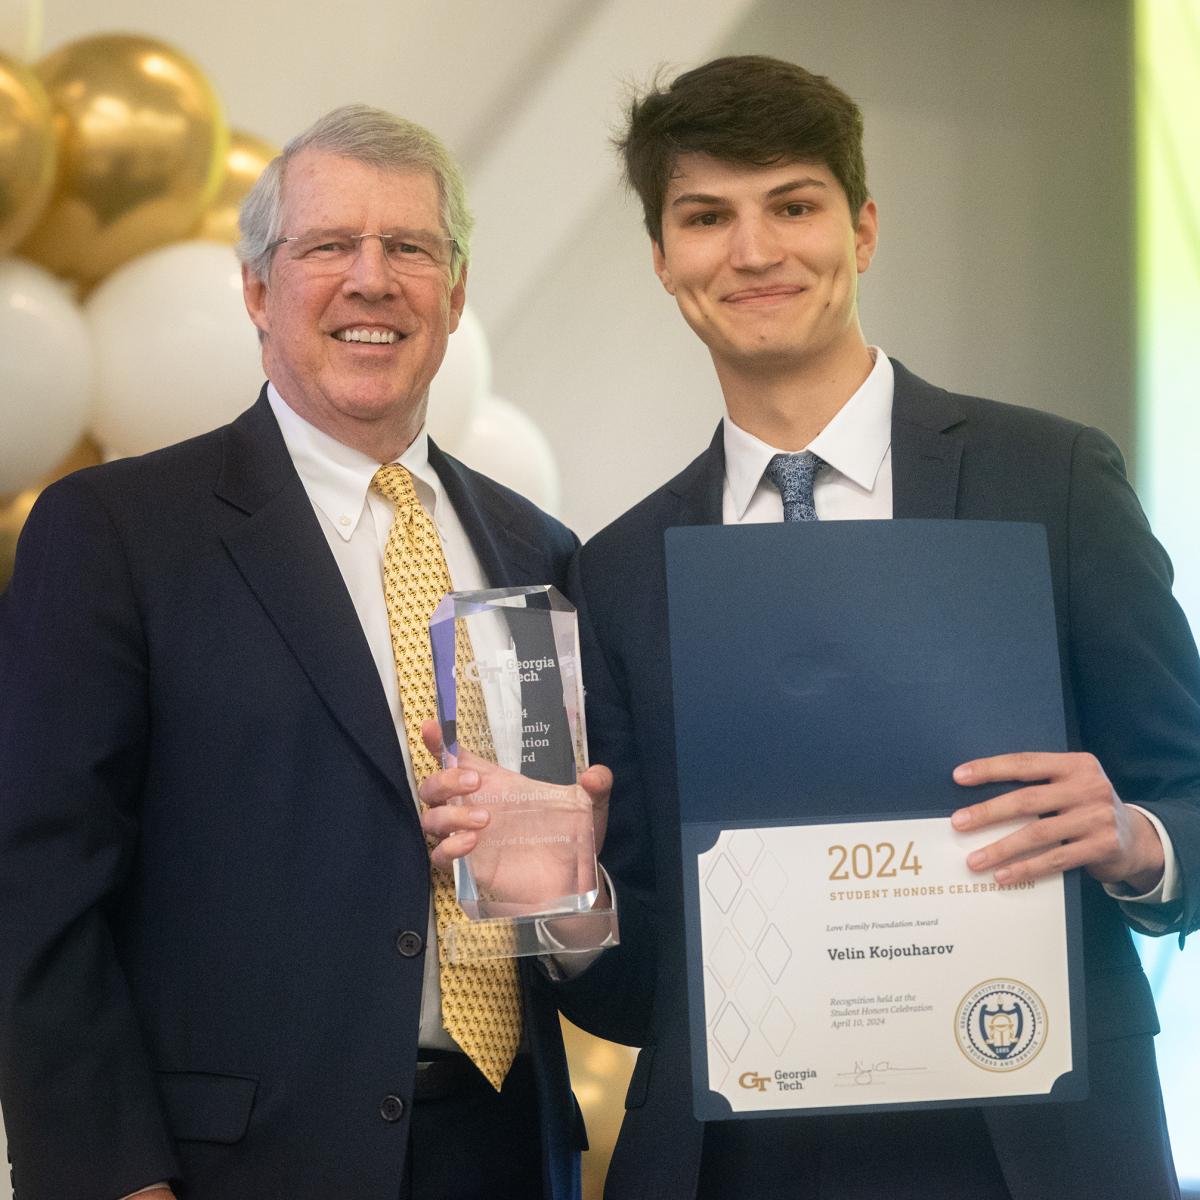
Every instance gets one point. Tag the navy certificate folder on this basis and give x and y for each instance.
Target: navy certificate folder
(834, 671)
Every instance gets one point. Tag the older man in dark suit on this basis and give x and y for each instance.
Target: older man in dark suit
(219, 965)
(751, 175)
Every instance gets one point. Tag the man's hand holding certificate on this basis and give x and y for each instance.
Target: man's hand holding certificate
(1084, 822)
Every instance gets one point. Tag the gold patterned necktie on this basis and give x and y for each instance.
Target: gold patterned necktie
(481, 1001)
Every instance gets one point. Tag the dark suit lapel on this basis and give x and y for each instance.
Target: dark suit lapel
(284, 558)
(507, 558)
(700, 485)
(926, 448)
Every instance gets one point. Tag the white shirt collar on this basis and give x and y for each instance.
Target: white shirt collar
(337, 477)
(853, 443)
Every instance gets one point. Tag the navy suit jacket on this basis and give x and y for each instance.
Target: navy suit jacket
(1131, 690)
(208, 845)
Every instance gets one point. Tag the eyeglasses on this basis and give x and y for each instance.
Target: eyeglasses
(332, 251)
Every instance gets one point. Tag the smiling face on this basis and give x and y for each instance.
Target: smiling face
(319, 327)
(764, 264)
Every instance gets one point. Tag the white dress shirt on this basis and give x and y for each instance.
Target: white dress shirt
(356, 520)
(856, 485)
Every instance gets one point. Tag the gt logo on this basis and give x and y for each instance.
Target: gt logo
(751, 1079)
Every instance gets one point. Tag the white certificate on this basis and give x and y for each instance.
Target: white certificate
(862, 964)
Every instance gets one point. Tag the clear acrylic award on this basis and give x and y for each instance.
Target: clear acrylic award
(510, 704)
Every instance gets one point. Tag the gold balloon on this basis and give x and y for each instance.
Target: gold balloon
(244, 163)
(600, 1074)
(26, 151)
(141, 145)
(14, 509)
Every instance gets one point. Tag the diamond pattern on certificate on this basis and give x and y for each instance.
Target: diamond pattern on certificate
(723, 883)
(714, 994)
(773, 953)
(745, 846)
(747, 953)
(727, 958)
(749, 919)
(730, 1032)
(769, 880)
(777, 1026)
(753, 995)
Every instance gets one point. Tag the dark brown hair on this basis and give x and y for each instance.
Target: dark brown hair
(742, 109)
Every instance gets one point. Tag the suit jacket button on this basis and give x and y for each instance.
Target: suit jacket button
(410, 944)
(391, 1108)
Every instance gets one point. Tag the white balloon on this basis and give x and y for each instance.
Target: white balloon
(45, 373)
(176, 354)
(462, 381)
(503, 442)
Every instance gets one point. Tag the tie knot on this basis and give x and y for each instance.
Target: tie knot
(394, 482)
(793, 475)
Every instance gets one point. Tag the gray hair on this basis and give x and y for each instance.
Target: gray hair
(367, 135)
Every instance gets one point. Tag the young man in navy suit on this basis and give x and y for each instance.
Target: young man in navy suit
(751, 176)
(218, 965)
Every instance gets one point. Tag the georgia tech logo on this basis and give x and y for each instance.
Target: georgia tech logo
(1001, 1025)
(522, 670)
(751, 1079)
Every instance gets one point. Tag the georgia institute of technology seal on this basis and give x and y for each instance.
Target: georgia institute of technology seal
(1001, 1025)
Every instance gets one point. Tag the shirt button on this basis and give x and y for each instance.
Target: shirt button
(410, 944)
(343, 521)
(391, 1108)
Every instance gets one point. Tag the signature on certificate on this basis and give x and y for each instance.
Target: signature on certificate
(871, 1074)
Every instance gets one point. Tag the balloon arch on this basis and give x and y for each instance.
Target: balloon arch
(122, 327)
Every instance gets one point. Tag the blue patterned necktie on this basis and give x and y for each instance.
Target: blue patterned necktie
(793, 475)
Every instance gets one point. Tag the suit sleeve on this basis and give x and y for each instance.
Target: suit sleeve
(613, 998)
(78, 1093)
(1133, 660)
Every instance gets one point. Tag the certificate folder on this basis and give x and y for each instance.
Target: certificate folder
(833, 673)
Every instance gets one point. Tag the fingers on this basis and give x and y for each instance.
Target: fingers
(431, 735)
(1037, 849)
(456, 801)
(464, 756)
(1068, 781)
(1072, 818)
(452, 825)
(454, 829)
(451, 819)
(1024, 802)
(1003, 768)
(1115, 843)
(448, 787)
(1026, 767)
(597, 781)
(442, 856)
